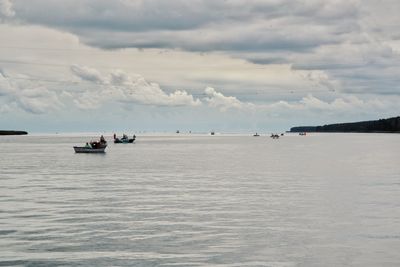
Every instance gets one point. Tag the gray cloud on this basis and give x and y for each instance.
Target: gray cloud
(198, 25)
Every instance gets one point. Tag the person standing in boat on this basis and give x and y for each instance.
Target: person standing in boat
(102, 140)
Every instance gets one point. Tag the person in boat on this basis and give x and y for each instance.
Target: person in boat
(102, 140)
(134, 137)
(87, 145)
(94, 144)
(124, 136)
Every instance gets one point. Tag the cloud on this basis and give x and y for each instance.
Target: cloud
(345, 105)
(223, 103)
(28, 96)
(6, 9)
(198, 26)
(122, 87)
(340, 37)
(343, 38)
(88, 74)
(141, 91)
(6, 87)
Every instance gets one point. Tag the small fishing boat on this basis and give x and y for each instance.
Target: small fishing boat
(124, 140)
(256, 134)
(212, 133)
(92, 147)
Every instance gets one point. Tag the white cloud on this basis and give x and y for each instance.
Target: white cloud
(6, 9)
(122, 87)
(88, 74)
(344, 104)
(218, 100)
(29, 96)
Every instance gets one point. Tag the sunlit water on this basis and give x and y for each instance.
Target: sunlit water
(187, 200)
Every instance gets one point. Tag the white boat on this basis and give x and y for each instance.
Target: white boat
(83, 149)
(93, 147)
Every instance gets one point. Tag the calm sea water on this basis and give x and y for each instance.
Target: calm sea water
(319, 200)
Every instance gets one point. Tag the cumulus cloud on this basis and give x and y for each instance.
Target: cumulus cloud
(218, 100)
(30, 97)
(344, 104)
(122, 87)
(88, 74)
(144, 92)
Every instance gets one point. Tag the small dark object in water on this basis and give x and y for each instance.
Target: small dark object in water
(274, 136)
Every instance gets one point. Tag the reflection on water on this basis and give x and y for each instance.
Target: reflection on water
(319, 200)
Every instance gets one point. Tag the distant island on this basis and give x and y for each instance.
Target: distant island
(390, 125)
(9, 132)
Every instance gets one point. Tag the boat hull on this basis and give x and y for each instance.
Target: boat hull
(82, 149)
(123, 141)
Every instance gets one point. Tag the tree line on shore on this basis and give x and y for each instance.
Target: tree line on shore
(390, 125)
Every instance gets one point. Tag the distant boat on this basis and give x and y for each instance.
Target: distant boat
(256, 134)
(177, 131)
(92, 147)
(212, 133)
(274, 136)
(124, 140)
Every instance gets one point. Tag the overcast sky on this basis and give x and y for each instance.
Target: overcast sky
(228, 66)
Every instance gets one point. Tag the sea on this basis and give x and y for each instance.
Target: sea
(201, 200)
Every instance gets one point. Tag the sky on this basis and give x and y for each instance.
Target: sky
(200, 66)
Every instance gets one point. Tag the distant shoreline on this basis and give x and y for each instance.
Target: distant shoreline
(11, 132)
(390, 125)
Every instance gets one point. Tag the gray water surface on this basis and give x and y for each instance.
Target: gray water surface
(187, 200)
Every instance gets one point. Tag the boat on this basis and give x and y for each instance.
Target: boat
(84, 149)
(124, 140)
(274, 136)
(212, 133)
(92, 147)
(256, 134)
